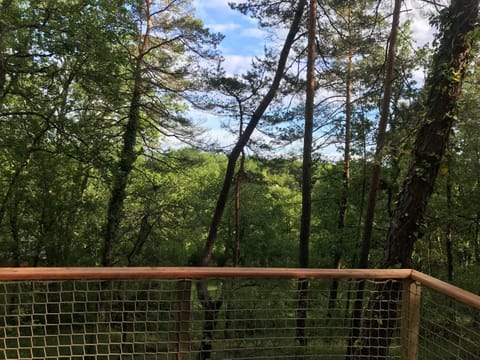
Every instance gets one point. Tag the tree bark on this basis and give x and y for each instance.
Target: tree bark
(444, 85)
(307, 176)
(381, 137)
(238, 179)
(122, 172)
(372, 197)
(343, 209)
(448, 232)
(127, 155)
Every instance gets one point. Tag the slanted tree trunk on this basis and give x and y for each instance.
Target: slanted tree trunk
(243, 140)
(307, 176)
(211, 306)
(372, 197)
(444, 85)
(381, 137)
(444, 88)
(144, 231)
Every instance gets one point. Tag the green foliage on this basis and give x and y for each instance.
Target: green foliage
(66, 77)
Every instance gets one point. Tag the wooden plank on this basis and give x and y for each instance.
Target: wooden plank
(99, 273)
(184, 293)
(410, 323)
(455, 292)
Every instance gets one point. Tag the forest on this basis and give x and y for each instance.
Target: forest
(102, 162)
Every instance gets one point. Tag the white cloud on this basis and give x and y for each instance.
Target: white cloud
(419, 76)
(223, 27)
(419, 13)
(220, 137)
(237, 64)
(255, 33)
(210, 4)
(422, 31)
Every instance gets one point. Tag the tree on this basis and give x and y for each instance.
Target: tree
(372, 198)
(165, 33)
(458, 26)
(352, 37)
(242, 141)
(239, 96)
(306, 216)
(444, 88)
(202, 288)
(47, 54)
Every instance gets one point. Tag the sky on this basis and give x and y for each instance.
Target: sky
(244, 40)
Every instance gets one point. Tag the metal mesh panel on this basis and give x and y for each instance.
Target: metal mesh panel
(164, 319)
(74, 319)
(448, 329)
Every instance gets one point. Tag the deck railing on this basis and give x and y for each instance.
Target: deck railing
(224, 313)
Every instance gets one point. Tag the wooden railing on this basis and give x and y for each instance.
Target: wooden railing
(410, 304)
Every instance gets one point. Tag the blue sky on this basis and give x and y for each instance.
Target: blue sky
(243, 39)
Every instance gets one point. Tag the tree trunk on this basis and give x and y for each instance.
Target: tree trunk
(3, 61)
(15, 231)
(372, 198)
(305, 223)
(238, 180)
(448, 232)
(476, 239)
(444, 86)
(381, 137)
(122, 172)
(210, 306)
(127, 155)
(243, 140)
(342, 218)
(142, 236)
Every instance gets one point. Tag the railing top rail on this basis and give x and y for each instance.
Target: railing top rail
(98, 273)
(455, 292)
(125, 273)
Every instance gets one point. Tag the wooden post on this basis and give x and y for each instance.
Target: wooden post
(410, 323)
(184, 291)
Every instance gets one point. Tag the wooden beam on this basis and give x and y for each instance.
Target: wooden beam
(410, 319)
(455, 292)
(110, 273)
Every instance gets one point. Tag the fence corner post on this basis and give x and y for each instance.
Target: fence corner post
(410, 319)
(184, 290)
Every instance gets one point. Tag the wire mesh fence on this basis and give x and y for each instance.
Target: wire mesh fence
(448, 329)
(229, 318)
(167, 319)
